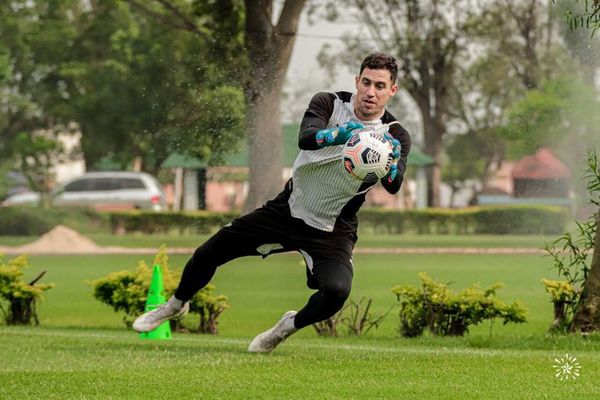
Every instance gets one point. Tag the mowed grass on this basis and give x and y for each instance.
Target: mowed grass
(82, 350)
(365, 240)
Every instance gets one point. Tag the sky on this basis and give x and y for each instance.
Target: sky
(305, 77)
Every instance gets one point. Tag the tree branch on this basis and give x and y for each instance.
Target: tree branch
(181, 21)
(187, 22)
(290, 14)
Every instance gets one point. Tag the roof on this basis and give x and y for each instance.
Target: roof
(290, 151)
(541, 165)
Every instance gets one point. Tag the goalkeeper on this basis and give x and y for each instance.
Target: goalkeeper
(315, 214)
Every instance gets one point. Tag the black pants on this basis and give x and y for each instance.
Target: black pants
(271, 229)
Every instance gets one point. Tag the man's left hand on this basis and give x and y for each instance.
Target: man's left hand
(396, 147)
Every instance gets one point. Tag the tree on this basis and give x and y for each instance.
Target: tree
(37, 154)
(584, 48)
(269, 47)
(428, 39)
(476, 149)
(135, 88)
(577, 298)
(516, 52)
(587, 314)
(581, 15)
(561, 115)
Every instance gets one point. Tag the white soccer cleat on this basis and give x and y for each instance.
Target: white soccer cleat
(151, 320)
(268, 340)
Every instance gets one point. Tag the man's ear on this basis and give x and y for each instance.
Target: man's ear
(393, 89)
(356, 80)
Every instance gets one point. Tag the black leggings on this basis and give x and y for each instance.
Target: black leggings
(329, 253)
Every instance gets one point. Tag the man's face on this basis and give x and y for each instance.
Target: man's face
(374, 88)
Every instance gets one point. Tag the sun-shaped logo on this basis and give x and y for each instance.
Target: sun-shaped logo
(566, 368)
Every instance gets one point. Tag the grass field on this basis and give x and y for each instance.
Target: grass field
(82, 351)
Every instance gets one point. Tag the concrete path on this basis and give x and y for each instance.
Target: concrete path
(190, 250)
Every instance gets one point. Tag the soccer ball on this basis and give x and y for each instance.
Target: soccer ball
(367, 156)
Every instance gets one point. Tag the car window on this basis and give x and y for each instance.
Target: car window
(80, 185)
(102, 184)
(130, 183)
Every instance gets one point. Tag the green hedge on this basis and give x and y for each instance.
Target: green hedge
(540, 220)
(34, 221)
(474, 220)
(164, 222)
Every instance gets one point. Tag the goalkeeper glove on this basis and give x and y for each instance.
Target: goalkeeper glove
(337, 135)
(396, 147)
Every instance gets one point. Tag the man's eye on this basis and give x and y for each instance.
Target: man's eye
(380, 86)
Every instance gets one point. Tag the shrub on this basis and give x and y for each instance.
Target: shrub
(329, 326)
(126, 291)
(482, 220)
(472, 220)
(164, 222)
(209, 307)
(572, 257)
(358, 317)
(33, 221)
(564, 297)
(433, 306)
(21, 297)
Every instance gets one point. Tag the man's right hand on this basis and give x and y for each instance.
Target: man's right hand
(337, 135)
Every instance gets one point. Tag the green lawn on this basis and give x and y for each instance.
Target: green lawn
(82, 351)
(365, 240)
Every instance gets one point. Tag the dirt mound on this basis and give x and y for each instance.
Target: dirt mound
(60, 240)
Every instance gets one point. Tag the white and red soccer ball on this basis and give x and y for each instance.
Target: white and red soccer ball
(367, 156)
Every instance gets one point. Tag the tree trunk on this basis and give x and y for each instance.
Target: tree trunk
(587, 314)
(269, 50)
(433, 147)
(265, 146)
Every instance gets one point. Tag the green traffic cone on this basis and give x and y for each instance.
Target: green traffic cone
(156, 298)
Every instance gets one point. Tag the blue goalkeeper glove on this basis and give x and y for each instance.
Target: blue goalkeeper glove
(396, 147)
(337, 135)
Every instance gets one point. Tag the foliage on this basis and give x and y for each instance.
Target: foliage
(585, 14)
(164, 222)
(564, 297)
(433, 306)
(571, 254)
(32, 221)
(356, 315)
(209, 307)
(559, 115)
(21, 297)
(361, 318)
(5, 167)
(37, 154)
(329, 327)
(130, 84)
(472, 220)
(126, 291)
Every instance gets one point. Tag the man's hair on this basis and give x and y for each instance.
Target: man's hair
(381, 61)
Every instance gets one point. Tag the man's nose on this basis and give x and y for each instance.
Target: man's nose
(370, 91)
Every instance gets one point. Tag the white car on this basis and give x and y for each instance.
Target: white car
(103, 190)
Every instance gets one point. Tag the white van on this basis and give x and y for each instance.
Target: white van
(103, 190)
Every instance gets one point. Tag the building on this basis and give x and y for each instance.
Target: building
(540, 178)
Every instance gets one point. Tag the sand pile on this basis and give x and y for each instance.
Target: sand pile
(60, 240)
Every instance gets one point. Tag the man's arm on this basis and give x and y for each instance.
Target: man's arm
(400, 134)
(315, 118)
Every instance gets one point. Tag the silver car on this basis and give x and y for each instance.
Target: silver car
(103, 190)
